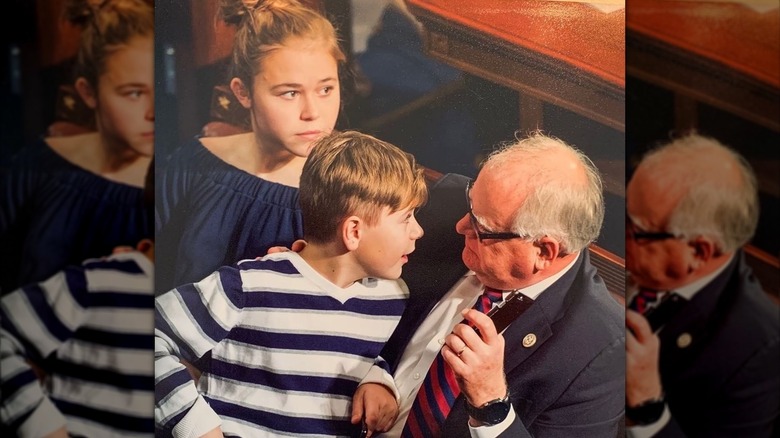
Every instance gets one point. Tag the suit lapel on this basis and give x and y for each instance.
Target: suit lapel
(549, 307)
(691, 328)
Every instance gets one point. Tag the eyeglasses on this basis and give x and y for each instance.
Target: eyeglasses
(481, 235)
(639, 235)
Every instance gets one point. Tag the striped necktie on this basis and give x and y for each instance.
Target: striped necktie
(646, 299)
(440, 389)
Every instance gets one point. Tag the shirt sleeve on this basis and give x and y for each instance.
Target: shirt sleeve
(190, 321)
(649, 430)
(379, 374)
(36, 320)
(493, 431)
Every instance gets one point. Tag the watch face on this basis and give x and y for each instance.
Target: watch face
(647, 413)
(497, 412)
(493, 412)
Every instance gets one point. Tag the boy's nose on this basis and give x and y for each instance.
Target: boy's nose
(418, 231)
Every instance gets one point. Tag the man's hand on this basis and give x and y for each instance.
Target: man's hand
(297, 246)
(377, 405)
(478, 362)
(643, 380)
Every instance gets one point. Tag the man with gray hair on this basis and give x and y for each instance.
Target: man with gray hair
(703, 346)
(557, 369)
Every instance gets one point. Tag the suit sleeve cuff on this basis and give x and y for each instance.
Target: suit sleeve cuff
(493, 431)
(649, 430)
(198, 420)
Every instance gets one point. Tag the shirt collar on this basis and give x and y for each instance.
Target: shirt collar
(689, 290)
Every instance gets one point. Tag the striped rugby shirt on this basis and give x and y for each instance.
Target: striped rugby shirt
(284, 349)
(90, 328)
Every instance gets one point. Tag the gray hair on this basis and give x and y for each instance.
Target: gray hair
(713, 203)
(569, 212)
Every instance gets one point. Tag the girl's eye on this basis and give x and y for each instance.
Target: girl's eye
(134, 94)
(327, 90)
(289, 94)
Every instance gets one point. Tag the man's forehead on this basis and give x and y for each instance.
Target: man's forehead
(647, 204)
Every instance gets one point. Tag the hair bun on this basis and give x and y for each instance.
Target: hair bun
(235, 11)
(81, 12)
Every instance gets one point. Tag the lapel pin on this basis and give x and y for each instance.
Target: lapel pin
(684, 340)
(529, 340)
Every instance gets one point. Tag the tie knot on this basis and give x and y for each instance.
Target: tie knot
(650, 293)
(646, 298)
(488, 298)
(494, 295)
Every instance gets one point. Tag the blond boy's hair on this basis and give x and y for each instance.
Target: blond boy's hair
(349, 173)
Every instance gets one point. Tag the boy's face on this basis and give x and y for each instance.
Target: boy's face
(384, 247)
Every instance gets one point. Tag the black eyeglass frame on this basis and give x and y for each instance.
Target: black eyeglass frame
(506, 235)
(631, 229)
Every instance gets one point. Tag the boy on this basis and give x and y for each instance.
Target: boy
(283, 341)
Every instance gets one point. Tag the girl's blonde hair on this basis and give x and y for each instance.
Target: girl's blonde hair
(107, 26)
(264, 26)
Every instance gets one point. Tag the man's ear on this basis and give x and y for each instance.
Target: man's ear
(547, 251)
(703, 250)
(241, 92)
(352, 232)
(86, 92)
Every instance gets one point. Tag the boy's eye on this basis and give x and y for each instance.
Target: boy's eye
(289, 94)
(134, 94)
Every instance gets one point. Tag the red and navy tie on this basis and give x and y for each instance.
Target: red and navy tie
(440, 389)
(645, 299)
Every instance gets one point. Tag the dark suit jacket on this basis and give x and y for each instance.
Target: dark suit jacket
(571, 382)
(726, 383)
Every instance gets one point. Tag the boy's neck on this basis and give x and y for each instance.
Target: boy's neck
(334, 264)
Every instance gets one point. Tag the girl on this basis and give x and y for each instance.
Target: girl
(223, 199)
(66, 199)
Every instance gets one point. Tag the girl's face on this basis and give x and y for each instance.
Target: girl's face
(124, 101)
(295, 98)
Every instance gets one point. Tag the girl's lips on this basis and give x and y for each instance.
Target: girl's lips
(312, 135)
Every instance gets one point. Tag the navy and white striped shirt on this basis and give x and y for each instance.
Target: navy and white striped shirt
(90, 329)
(285, 349)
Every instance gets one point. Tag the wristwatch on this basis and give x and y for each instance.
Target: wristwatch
(647, 412)
(492, 412)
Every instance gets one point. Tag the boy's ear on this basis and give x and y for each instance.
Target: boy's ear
(351, 232)
(86, 92)
(241, 92)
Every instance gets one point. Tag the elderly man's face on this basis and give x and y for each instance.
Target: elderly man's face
(501, 264)
(659, 261)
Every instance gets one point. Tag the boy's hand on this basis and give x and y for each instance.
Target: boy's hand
(59, 433)
(297, 246)
(213, 433)
(377, 405)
